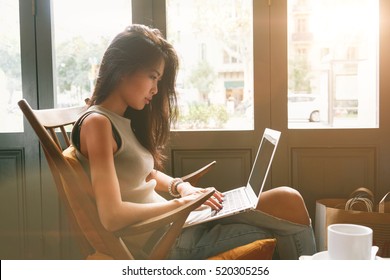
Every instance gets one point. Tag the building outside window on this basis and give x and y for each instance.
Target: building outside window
(215, 89)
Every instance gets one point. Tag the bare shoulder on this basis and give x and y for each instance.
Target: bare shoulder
(96, 120)
(96, 134)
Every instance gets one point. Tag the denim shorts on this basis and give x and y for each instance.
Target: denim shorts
(205, 240)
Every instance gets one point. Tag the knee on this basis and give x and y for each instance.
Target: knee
(284, 197)
(285, 203)
(288, 195)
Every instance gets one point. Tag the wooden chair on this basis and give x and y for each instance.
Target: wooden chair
(75, 191)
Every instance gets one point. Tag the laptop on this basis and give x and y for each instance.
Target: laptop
(244, 198)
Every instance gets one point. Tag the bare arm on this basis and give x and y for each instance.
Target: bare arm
(184, 189)
(99, 146)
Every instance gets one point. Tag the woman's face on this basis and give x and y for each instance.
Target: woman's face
(137, 90)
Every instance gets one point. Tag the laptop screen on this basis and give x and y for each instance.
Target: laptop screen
(263, 160)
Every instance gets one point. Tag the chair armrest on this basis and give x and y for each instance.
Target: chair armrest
(164, 219)
(194, 177)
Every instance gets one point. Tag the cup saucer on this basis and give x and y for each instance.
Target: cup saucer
(324, 255)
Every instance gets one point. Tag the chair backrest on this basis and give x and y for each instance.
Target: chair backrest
(53, 119)
(72, 182)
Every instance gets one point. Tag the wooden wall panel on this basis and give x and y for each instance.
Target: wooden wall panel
(332, 172)
(12, 206)
(232, 168)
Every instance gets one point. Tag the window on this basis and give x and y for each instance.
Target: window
(82, 32)
(11, 119)
(335, 63)
(352, 53)
(301, 51)
(215, 89)
(301, 25)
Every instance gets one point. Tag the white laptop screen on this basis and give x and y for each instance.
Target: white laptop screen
(263, 160)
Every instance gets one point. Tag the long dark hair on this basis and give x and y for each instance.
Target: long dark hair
(140, 47)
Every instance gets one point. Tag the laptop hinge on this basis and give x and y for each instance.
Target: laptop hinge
(251, 195)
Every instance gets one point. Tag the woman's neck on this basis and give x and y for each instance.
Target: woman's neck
(115, 104)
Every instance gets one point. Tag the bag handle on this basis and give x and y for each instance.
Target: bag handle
(362, 192)
(361, 197)
(382, 204)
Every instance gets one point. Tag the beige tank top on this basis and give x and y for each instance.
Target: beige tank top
(133, 163)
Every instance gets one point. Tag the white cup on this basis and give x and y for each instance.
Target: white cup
(349, 242)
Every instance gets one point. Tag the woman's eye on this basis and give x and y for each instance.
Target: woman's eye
(153, 77)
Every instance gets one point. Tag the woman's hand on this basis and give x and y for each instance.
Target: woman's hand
(186, 190)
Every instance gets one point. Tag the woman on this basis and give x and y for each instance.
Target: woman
(120, 141)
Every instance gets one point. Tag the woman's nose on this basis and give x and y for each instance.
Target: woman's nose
(154, 90)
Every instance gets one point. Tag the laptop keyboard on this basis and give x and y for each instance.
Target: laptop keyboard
(233, 200)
